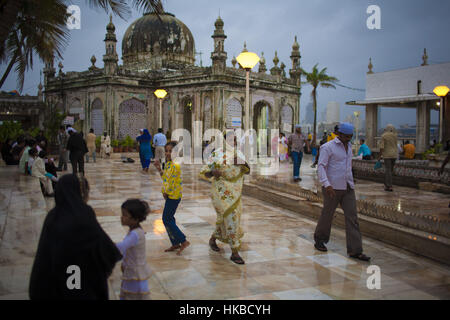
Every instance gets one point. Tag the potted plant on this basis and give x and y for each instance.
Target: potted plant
(122, 145)
(128, 143)
(98, 143)
(115, 145)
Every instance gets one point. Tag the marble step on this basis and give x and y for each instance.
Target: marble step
(419, 242)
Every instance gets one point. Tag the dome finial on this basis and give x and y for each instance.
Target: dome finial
(370, 66)
(425, 57)
(110, 27)
(245, 47)
(295, 46)
(275, 59)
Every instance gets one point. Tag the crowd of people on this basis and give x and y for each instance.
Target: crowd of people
(71, 234)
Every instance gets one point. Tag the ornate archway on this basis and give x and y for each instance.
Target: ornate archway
(187, 106)
(97, 121)
(287, 119)
(261, 120)
(207, 119)
(132, 117)
(234, 114)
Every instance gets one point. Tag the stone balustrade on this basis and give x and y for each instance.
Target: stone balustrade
(406, 172)
(425, 223)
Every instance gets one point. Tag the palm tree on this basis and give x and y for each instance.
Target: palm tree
(318, 78)
(40, 28)
(29, 27)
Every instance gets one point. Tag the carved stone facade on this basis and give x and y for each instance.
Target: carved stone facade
(119, 99)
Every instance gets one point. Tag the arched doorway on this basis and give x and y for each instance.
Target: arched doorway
(187, 114)
(234, 114)
(97, 116)
(287, 120)
(75, 109)
(77, 112)
(261, 121)
(132, 117)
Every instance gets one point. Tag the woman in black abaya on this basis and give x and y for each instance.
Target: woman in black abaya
(72, 236)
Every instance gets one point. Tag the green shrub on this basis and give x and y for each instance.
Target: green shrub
(11, 130)
(98, 141)
(129, 142)
(115, 143)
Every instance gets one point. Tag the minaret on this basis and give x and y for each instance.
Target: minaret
(295, 72)
(110, 59)
(219, 56)
(40, 95)
(49, 71)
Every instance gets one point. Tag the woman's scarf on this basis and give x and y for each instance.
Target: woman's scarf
(72, 236)
(144, 137)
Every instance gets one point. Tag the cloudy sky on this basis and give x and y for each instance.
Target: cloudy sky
(331, 33)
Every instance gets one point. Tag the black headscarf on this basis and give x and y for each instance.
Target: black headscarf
(71, 235)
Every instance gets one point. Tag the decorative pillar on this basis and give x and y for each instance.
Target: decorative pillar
(422, 126)
(371, 124)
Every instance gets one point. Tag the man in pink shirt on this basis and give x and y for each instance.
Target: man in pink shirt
(335, 175)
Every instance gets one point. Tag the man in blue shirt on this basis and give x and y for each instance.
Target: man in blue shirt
(159, 141)
(365, 150)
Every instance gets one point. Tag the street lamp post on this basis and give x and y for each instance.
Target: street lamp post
(441, 91)
(247, 60)
(356, 114)
(160, 94)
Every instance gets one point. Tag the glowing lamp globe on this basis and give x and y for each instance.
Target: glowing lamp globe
(160, 93)
(441, 91)
(247, 60)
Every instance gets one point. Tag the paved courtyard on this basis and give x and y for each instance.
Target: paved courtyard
(281, 262)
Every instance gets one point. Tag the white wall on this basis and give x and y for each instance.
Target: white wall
(404, 82)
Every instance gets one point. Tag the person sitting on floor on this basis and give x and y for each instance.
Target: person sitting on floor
(32, 155)
(45, 178)
(365, 150)
(23, 163)
(410, 150)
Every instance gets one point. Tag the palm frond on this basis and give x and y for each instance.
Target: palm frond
(118, 7)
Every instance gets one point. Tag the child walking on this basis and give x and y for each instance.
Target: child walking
(172, 191)
(135, 270)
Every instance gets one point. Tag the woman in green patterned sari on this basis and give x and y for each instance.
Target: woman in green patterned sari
(227, 177)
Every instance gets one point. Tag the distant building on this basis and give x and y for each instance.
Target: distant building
(333, 112)
(406, 88)
(309, 114)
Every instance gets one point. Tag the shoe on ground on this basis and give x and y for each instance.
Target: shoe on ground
(320, 246)
(360, 256)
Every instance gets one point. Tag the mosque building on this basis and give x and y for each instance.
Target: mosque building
(159, 52)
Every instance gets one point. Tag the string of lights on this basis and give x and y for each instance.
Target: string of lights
(347, 87)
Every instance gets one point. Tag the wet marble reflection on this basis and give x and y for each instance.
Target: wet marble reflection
(281, 262)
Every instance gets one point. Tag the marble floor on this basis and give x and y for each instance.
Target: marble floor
(281, 262)
(404, 198)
